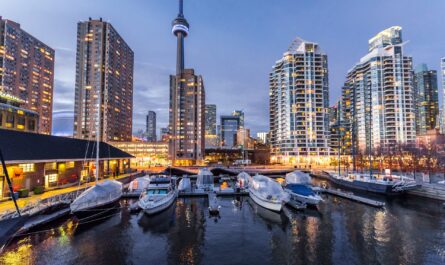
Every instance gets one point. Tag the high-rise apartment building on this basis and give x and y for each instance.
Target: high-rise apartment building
(299, 102)
(335, 129)
(165, 135)
(426, 99)
(27, 71)
(150, 129)
(187, 105)
(104, 72)
(378, 96)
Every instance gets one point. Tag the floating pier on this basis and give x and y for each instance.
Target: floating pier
(353, 197)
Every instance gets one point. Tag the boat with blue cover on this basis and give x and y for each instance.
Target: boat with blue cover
(298, 185)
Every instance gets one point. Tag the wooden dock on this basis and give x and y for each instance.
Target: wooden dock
(353, 197)
(43, 219)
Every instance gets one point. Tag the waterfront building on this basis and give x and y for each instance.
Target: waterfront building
(240, 114)
(262, 137)
(63, 123)
(104, 71)
(187, 105)
(229, 126)
(299, 102)
(38, 160)
(378, 96)
(27, 71)
(432, 139)
(426, 99)
(14, 117)
(146, 154)
(151, 126)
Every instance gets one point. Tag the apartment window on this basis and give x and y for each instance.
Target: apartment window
(69, 164)
(50, 166)
(27, 167)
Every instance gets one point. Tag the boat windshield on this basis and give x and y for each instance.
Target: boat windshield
(157, 192)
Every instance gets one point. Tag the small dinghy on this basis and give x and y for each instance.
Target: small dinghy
(298, 185)
(158, 196)
(97, 199)
(267, 193)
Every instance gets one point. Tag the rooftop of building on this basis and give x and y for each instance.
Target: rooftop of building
(24, 147)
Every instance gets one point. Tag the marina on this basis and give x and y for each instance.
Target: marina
(186, 233)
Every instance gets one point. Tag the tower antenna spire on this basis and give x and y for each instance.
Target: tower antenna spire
(181, 14)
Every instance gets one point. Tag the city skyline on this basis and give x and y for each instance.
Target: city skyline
(339, 37)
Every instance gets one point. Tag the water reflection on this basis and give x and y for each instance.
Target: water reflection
(340, 232)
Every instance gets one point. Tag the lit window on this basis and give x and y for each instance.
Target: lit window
(27, 167)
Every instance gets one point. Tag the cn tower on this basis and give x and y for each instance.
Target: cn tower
(180, 28)
(187, 105)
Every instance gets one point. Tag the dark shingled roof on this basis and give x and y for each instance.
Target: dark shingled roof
(23, 146)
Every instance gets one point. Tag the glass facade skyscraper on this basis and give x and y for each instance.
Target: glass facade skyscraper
(150, 129)
(229, 126)
(378, 105)
(426, 99)
(299, 102)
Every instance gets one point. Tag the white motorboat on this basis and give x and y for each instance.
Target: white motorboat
(139, 184)
(267, 193)
(298, 185)
(158, 196)
(243, 180)
(204, 181)
(98, 198)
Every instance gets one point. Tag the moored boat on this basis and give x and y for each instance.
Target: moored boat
(242, 180)
(158, 196)
(139, 184)
(96, 200)
(267, 193)
(387, 185)
(298, 185)
(205, 181)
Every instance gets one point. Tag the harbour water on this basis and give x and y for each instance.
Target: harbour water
(340, 232)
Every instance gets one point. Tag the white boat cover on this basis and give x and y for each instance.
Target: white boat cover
(97, 195)
(243, 180)
(184, 184)
(298, 177)
(139, 184)
(205, 177)
(268, 188)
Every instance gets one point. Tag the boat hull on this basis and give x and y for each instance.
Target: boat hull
(366, 186)
(159, 208)
(310, 200)
(96, 212)
(274, 206)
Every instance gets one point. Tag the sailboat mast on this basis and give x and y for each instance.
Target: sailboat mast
(98, 131)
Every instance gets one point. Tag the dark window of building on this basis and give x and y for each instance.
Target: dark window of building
(31, 125)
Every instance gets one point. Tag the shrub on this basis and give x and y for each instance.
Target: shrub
(39, 190)
(23, 193)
